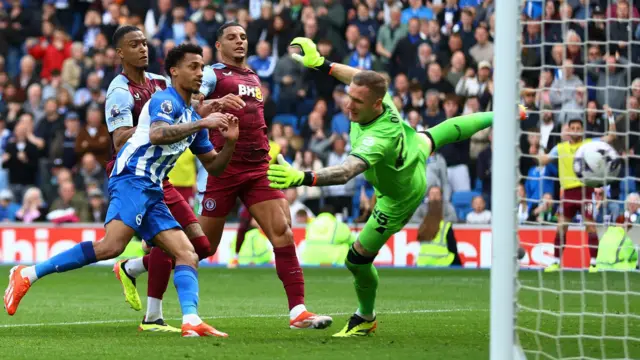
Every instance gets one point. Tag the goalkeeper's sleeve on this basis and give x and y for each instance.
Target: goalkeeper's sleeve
(458, 128)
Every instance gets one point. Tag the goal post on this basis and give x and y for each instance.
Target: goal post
(504, 167)
(573, 313)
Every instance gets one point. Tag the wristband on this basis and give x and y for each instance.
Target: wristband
(326, 67)
(309, 178)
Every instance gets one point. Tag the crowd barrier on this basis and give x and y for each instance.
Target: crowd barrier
(32, 244)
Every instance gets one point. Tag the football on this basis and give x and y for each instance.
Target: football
(596, 163)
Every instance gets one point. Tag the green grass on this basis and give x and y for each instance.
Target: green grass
(423, 314)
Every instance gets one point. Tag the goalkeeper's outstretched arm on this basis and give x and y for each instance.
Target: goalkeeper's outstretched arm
(311, 58)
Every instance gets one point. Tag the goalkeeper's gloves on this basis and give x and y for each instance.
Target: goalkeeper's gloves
(310, 56)
(282, 176)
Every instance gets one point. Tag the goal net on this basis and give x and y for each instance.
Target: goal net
(578, 62)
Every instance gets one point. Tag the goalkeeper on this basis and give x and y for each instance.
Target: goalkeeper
(392, 157)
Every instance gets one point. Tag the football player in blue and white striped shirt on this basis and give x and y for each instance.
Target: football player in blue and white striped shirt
(167, 126)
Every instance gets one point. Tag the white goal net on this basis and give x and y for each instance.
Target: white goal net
(579, 61)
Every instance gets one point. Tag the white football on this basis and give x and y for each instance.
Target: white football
(596, 163)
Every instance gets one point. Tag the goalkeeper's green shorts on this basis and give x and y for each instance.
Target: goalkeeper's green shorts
(388, 217)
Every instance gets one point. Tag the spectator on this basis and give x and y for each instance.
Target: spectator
(415, 120)
(175, 30)
(92, 93)
(352, 35)
(192, 36)
(296, 205)
(54, 54)
(596, 125)
(401, 89)
(26, 77)
(434, 193)
(33, 207)
(64, 144)
(418, 71)
(611, 81)
(448, 17)
(456, 69)
(546, 210)
(563, 89)
(367, 25)
(539, 178)
(549, 130)
(362, 58)
(263, 63)
(208, 24)
(68, 198)
(90, 30)
(415, 10)
(456, 154)
(433, 115)
(51, 127)
(91, 172)
(8, 208)
(436, 81)
(465, 29)
(479, 215)
(340, 123)
(97, 206)
(21, 156)
(339, 196)
(434, 38)
(404, 55)
(629, 125)
(475, 85)
(289, 77)
(94, 137)
(34, 103)
(437, 174)
(632, 211)
(389, 35)
(310, 196)
(574, 108)
(483, 49)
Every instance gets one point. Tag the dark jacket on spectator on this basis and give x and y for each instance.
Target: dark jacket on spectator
(20, 172)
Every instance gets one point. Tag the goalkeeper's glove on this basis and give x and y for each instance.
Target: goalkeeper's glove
(282, 176)
(310, 56)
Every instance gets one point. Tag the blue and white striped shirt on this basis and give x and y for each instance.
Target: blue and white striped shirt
(139, 157)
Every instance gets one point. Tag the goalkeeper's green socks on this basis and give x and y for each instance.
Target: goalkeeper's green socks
(459, 128)
(366, 285)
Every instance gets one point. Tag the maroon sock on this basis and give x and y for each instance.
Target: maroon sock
(145, 261)
(202, 246)
(290, 274)
(558, 246)
(593, 245)
(243, 227)
(160, 265)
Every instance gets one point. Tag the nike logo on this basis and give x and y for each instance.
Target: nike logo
(459, 131)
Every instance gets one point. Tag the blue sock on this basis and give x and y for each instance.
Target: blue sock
(74, 258)
(185, 279)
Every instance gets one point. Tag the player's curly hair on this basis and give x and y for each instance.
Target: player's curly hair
(176, 55)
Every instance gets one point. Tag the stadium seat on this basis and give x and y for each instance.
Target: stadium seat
(287, 119)
(461, 201)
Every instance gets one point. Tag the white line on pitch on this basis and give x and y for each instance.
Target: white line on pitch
(98, 322)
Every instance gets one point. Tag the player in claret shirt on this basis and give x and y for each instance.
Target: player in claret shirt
(236, 88)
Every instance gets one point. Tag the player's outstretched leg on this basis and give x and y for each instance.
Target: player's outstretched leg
(363, 322)
(185, 279)
(273, 218)
(21, 278)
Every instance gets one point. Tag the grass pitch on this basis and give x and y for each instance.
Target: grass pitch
(422, 314)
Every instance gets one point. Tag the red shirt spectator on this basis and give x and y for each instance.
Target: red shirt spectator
(52, 54)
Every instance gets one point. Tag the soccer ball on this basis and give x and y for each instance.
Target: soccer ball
(596, 163)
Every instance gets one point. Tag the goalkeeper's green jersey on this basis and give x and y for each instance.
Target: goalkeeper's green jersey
(396, 155)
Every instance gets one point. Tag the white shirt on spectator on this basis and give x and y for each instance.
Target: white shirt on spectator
(483, 217)
(297, 206)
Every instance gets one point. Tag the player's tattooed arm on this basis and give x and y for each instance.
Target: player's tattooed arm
(162, 133)
(340, 174)
(121, 135)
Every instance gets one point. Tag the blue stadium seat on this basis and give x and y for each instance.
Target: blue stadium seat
(478, 185)
(461, 201)
(286, 119)
(627, 186)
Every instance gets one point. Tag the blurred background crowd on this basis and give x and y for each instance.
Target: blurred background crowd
(579, 61)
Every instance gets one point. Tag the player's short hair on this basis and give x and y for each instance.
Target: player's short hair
(176, 55)
(229, 24)
(375, 82)
(121, 32)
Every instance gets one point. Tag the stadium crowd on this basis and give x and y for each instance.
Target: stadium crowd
(578, 56)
